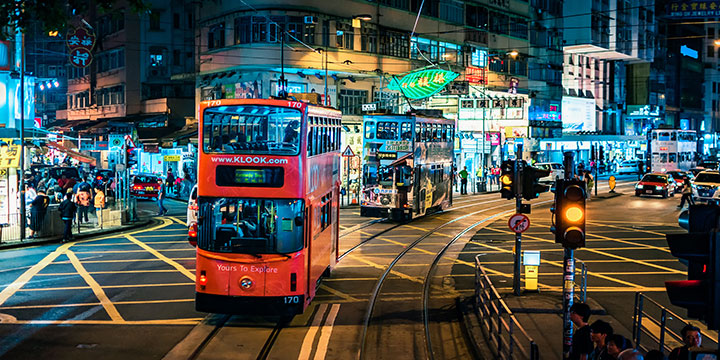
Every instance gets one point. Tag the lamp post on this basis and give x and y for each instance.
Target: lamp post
(23, 214)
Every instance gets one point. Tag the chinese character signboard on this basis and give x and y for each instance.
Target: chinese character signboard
(693, 9)
(80, 41)
(10, 158)
(423, 83)
(475, 75)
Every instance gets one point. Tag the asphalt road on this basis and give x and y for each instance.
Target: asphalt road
(131, 294)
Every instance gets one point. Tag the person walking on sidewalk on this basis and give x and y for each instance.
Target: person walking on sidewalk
(582, 344)
(170, 182)
(686, 194)
(67, 210)
(161, 196)
(691, 337)
(99, 205)
(38, 209)
(463, 181)
(600, 331)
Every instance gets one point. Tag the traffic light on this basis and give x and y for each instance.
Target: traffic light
(130, 157)
(569, 213)
(700, 249)
(507, 179)
(531, 188)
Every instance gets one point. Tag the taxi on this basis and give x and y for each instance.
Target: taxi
(656, 184)
(145, 186)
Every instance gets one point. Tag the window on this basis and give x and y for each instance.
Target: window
(176, 57)
(351, 101)
(189, 20)
(110, 24)
(344, 36)
(479, 58)
(405, 131)
(369, 130)
(394, 43)
(216, 36)
(387, 130)
(111, 95)
(176, 20)
(156, 57)
(111, 59)
(711, 51)
(155, 19)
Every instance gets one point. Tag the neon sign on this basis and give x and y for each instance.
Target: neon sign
(423, 83)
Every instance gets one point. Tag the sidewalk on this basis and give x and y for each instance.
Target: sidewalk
(540, 314)
(87, 230)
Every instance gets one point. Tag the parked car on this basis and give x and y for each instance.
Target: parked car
(145, 186)
(629, 167)
(656, 184)
(192, 211)
(556, 171)
(706, 186)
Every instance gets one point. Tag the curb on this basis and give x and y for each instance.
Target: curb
(57, 239)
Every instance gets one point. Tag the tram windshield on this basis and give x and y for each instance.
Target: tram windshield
(252, 129)
(252, 226)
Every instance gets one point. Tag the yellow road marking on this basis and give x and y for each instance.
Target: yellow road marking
(190, 321)
(641, 262)
(631, 243)
(162, 257)
(178, 220)
(166, 223)
(53, 306)
(625, 228)
(96, 289)
(119, 261)
(337, 293)
(129, 251)
(112, 272)
(27, 275)
(106, 287)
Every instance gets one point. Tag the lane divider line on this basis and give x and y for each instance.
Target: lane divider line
(325, 333)
(178, 220)
(307, 344)
(11, 289)
(162, 257)
(96, 288)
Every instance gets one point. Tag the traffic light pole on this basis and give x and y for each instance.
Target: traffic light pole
(568, 272)
(518, 237)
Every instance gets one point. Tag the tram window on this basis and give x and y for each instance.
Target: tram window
(405, 131)
(387, 130)
(253, 226)
(663, 157)
(368, 130)
(445, 131)
(417, 133)
(673, 136)
(672, 157)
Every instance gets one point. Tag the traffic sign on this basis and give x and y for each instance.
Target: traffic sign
(519, 223)
(369, 107)
(348, 152)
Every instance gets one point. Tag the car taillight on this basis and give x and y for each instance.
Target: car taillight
(202, 280)
(192, 234)
(137, 187)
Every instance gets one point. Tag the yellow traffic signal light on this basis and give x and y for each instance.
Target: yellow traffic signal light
(506, 180)
(569, 213)
(573, 214)
(508, 188)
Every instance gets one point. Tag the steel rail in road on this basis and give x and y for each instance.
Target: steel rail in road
(378, 286)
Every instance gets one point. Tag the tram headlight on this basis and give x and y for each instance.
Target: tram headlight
(246, 283)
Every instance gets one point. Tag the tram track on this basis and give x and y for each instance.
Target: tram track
(425, 297)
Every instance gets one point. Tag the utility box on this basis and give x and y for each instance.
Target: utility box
(531, 261)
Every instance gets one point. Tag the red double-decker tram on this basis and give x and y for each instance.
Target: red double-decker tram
(268, 190)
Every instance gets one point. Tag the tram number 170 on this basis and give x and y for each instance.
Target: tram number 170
(292, 299)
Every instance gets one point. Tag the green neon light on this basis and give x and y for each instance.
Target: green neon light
(423, 83)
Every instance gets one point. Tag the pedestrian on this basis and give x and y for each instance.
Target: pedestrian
(30, 195)
(479, 174)
(496, 174)
(82, 198)
(463, 180)
(67, 210)
(582, 344)
(616, 344)
(686, 194)
(170, 181)
(99, 205)
(589, 183)
(38, 209)
(160, 197)
(600, 331)
(691, 338)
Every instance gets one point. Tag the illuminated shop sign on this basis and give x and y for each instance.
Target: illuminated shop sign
(423, 83)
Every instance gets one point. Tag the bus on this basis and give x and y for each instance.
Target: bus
(268, 191)
(407, 165)
(672, 149)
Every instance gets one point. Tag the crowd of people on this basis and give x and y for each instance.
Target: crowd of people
(598, 341)
(75, 196)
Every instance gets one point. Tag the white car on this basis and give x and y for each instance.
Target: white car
(192, 211)
(628, 167)
(556, 171)
(706, 186)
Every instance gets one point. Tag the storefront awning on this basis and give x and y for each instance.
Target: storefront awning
(72, 153)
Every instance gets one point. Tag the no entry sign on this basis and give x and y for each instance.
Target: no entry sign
(519, 223)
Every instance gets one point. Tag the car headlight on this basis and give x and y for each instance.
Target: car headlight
(658, 187)
(638, 186)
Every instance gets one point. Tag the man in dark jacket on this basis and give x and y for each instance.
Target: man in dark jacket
(67, 210)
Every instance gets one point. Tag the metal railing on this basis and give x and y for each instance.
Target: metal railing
(505, 335)
(655, 327)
